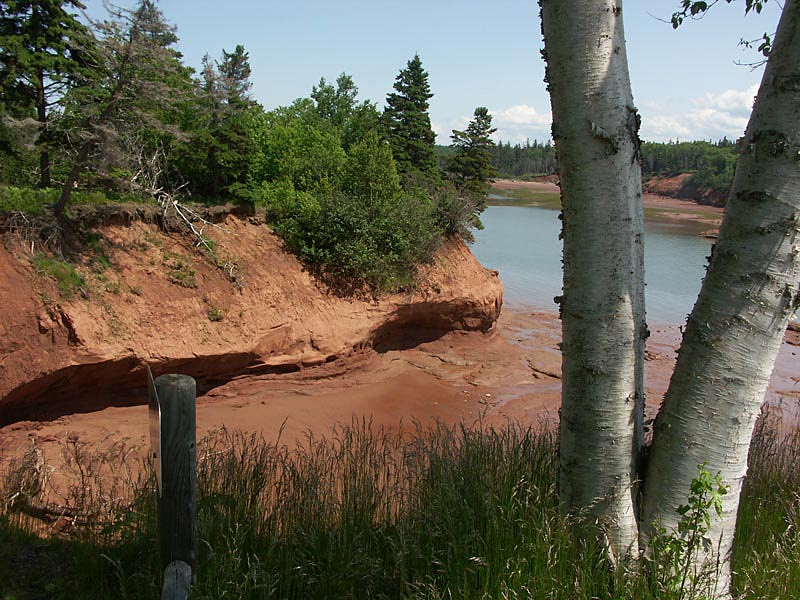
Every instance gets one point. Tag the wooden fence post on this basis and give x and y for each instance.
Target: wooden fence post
(177, 504)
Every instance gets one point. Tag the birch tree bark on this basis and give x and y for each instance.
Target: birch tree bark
(735, 330)
(595, 129)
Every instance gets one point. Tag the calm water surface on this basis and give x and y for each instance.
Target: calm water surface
(522, 243)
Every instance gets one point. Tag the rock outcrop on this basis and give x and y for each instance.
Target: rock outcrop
(151, 298)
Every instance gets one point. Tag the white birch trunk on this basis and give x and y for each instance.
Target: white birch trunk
(735, 330)
(595, 129)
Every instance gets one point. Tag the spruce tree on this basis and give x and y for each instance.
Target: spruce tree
(137, 80)
(471, 166)
(217, 156)
(41, 50)
(234, 76)
(408, 124)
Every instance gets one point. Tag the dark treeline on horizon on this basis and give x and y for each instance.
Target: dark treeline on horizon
(711, 164)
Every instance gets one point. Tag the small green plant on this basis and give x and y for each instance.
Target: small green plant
(68, 280)
(93, 239)
(208, 245)
(675, 552)
(100, 262)
(29, 201)
(112, 287)
(39, 201)
(179, 271)
(214, 314)
(150, 239)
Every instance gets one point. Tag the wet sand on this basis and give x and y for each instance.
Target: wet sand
(511, 373)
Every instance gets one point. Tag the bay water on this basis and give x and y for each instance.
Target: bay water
(521, 242)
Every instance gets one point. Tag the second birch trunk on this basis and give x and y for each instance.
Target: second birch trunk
(735, 330)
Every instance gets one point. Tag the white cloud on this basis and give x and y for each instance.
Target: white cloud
(663, 127)
(710, 116)
(733, 101)
(521, 122)
(514, 124)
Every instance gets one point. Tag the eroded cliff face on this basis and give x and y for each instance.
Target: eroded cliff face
(152, 298)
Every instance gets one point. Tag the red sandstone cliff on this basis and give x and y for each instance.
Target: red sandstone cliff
(61, 356)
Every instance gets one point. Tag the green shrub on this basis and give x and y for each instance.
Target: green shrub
(354, 241)
(294, 148)
(674, 554)
(366, 232)
(179, 270)
(282, 201)
(27, 200)
(458, 212)
(214, 314)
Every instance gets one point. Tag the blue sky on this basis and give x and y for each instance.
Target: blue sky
(685, 83)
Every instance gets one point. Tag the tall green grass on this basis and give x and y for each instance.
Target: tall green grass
(439, 512)
(766, 554)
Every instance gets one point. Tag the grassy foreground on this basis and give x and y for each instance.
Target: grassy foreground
(365, 513)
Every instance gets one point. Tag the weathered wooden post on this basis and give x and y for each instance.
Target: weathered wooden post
(175, 454)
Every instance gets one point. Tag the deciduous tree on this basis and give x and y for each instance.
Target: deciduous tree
(595, 129)
(335, 104)
(734, 332)
(750, 291)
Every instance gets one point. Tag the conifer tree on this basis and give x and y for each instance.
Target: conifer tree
(234, 76)
(137, 77)
(408, 123)
(471, 165)
(41, 48)
(217, 155)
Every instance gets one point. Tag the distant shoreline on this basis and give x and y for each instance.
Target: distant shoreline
(657, 208)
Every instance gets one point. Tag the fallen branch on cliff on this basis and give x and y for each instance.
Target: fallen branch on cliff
(26, 482)
(147, 179)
